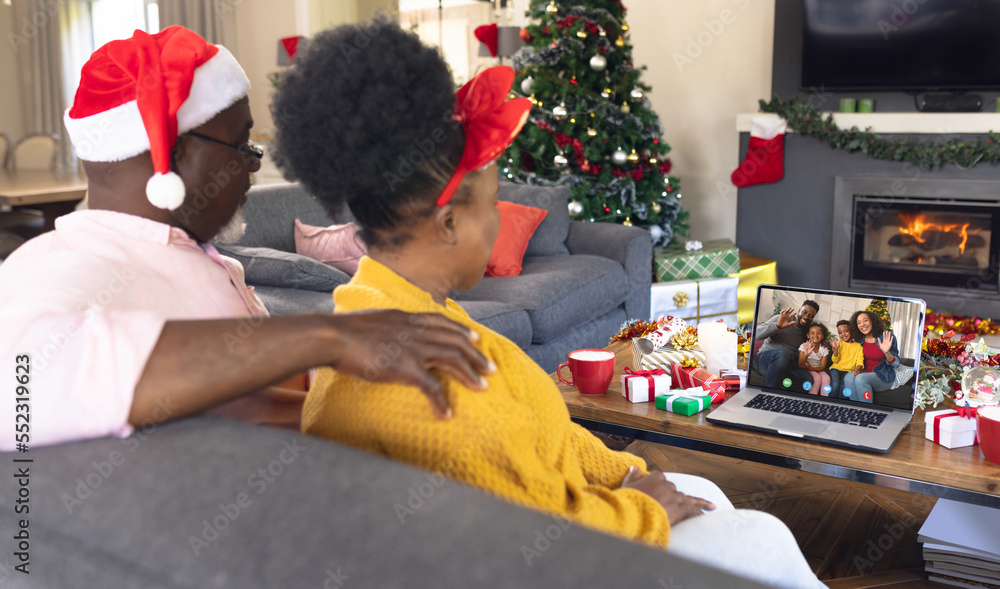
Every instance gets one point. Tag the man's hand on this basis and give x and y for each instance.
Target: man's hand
(786, 318)
(392, 346)
(678, 506)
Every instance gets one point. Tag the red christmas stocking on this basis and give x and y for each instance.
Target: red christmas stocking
(764, 162)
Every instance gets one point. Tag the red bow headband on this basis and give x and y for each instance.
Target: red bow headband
(490, 122)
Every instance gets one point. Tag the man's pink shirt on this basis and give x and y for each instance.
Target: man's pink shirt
(86, 304)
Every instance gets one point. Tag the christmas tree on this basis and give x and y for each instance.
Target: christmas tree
(878, 307)
(591, 127)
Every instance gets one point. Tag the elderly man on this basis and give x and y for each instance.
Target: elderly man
(125, 314)
(782, 335)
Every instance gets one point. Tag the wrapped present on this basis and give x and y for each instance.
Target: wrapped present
(661, 337)
(684, 402)
(686, 378)
(715, 259)
(641, 386)
(696, 300)
(663, 357)
(734, 378)
(754, 271)
(950, 429)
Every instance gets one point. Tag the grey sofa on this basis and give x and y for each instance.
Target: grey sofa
(580, 282)
(208, 502)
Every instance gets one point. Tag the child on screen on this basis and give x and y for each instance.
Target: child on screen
(814, 356)
(847, 357)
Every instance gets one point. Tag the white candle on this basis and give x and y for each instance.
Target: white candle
(719, 345)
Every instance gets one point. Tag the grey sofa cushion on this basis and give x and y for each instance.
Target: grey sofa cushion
(264, 266)
(271, 211)
(559, 293)
(549, 238)
(512, 323)
(293, 301)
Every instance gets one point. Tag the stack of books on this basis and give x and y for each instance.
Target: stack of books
(962, 545)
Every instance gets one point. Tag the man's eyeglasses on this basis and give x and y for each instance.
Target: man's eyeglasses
(249, 148)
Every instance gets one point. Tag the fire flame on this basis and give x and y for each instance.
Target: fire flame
(917, 224)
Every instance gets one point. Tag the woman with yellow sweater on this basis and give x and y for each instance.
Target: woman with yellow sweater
(377, 127)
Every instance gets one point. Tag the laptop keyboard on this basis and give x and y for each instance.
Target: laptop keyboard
(823, 411)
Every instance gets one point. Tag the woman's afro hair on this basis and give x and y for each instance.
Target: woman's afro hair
(877, 326)
(364, 118)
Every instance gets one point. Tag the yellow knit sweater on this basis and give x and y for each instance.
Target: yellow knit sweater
(849, 356)
(515, 439)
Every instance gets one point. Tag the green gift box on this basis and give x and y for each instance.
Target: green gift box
(715, 259)
(682, 402)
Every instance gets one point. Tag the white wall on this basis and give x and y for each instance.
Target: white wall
(10, 85)
(708, 60)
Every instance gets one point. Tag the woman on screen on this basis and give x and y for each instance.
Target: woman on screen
(881, 357)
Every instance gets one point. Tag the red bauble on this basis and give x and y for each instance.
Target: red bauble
(526, 36)
(585, 166)
(607, 209)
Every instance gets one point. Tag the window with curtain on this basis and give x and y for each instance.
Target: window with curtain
(449, 24)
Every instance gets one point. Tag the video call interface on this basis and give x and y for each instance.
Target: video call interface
(839, 341)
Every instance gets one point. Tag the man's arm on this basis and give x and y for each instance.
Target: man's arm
(197, 365)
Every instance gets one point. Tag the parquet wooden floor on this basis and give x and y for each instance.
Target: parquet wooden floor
(854, 535)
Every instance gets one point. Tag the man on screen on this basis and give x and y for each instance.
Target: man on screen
(782, 336)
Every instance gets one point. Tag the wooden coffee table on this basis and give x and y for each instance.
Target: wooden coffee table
(54, 193)
(914, 464)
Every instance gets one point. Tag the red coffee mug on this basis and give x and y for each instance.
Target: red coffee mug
(988, 430)
(591, 370)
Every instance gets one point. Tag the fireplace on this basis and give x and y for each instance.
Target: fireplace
(938, 240)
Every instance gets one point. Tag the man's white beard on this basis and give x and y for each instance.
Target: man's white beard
(232, 231)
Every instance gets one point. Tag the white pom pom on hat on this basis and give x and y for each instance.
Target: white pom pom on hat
(138, 94)
(165, 190)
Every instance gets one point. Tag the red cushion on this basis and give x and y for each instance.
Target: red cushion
(517, 225)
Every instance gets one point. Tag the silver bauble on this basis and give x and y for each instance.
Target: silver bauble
(526, 85)
(560, 160)
(598, 63)
(636, 94)
(619, 157)
(655, 233)
(559, 112)
(575, 208)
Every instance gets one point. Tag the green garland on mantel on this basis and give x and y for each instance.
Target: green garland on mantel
(928, 155)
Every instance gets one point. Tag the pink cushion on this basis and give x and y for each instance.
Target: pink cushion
(337, 245)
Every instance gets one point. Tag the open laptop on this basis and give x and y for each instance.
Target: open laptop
(792, 407)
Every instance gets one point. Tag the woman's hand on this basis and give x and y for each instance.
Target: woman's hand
(678, 506)
(858, 369)
(885, 342)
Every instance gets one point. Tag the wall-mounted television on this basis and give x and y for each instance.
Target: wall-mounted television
(910, 45)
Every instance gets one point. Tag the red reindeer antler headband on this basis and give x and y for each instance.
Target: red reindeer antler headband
(490, 122)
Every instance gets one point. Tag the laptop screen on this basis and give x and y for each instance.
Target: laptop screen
(853, 348)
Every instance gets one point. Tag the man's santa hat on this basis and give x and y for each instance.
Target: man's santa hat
(139, 94)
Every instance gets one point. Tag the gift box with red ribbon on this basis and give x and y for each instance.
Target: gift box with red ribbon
(734, 378)
(641, 386)
(950, 428)
(685, 378)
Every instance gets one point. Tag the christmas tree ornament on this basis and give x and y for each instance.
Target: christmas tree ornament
(602, 32)
(592, 132)
(606, 93)
(560, 160)
(619, 42)
(626, 108)
(627, 222)
(619, 157)
(607, 209)
(581, 34)
(657, 207)
(652, 160)
(598, 63)
(573, 80)
(655, 233)
(532, 99)
(624, 27)
(573, 120)
(552, 8)
(585, 166)
(526, 85)
(560, 112)
(633, 157)
(764, 161)
(526, 36)
(636, 94)
(575, 208)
